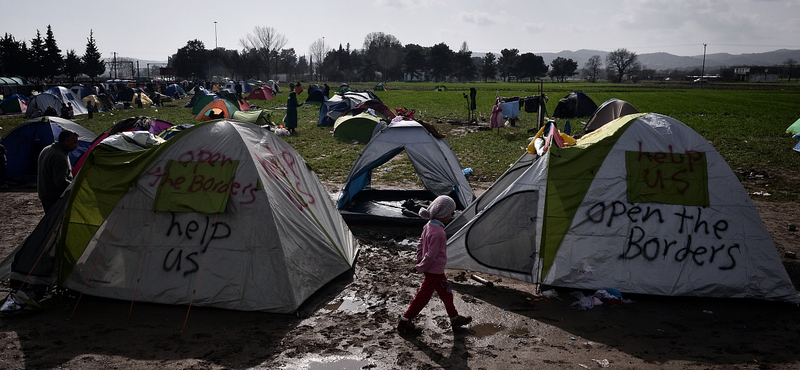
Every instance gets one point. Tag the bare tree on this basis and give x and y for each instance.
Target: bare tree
(621, 61)
(592, 68)
(790, 66)
(317, 50)
(267, 42)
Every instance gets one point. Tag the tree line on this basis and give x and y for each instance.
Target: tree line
(42, 59)
(263, 55)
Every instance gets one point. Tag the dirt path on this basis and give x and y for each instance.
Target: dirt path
(350, 323)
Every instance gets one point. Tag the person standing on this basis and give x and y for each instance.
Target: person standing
(291, 112)
(55, 169)
(3, 164)
(431, 260)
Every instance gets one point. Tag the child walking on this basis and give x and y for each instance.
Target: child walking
(431, 259)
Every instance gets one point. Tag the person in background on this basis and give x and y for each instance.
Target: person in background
(90, 108)
(3, 164)
(431, 259)
(291, 112)
(55, 169)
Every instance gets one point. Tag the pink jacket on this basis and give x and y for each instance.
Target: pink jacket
(432, 249)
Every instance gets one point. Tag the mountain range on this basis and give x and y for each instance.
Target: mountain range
(666, 61)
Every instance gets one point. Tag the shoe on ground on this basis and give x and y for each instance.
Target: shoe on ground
(408, 327)
(460, 321)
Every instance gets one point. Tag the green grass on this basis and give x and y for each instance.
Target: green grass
(744, 122)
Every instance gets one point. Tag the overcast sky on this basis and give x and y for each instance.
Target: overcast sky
(156, 29)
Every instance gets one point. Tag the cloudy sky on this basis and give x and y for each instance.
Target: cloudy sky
(156, 29)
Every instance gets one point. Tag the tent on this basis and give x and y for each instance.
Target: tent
(487, 196)
(81, 91)
(129, 94)
(340, 103)
(196, 98)
(272, 84)
(14, 104)
(225, 214)
(65, 95)
(434, 161)
(262, 93)
(259, 117)
(643, 205)
(24, 143)
(140, 123)
(175, 88)
(316, 95)
(355, 125)
(575, 104)
(220, 108)
(794, 128)
(608, 111)
(245, 87)
(39, 103)
(380, 87)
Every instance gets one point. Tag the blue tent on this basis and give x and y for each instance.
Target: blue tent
(173, 88)
(24, 143)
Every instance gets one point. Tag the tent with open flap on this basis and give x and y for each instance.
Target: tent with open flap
(433, 160)
(643, 205)
(224, 214)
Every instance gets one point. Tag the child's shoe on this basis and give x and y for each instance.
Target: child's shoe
(459, 321)
(408, 327)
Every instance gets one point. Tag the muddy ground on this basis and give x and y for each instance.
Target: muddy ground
(350, 323)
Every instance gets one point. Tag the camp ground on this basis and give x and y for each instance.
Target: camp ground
(642, 205)
(435, 163)
(224, 214)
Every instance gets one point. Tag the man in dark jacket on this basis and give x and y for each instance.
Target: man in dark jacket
(55, 169)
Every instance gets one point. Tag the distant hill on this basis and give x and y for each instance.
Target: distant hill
(666, 61)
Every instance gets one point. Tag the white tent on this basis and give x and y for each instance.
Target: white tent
(225, 214)
(642, 205)
(65, 95)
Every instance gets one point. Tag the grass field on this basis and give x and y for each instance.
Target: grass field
(745, 122)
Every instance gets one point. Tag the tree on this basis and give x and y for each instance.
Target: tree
(441, 61)
(92, 61)
(191, 60)
(592, 68)
(415, 60)
(318, 51)
(302, 65)
(464, 68)
(36, 54)
(790, 65)
(287, 61)
(384, 51)
(13, 57)
(72, 65)
(489, 68)
(265, 41)
(561, 68)
(530, 65)
(52, 61)
(506, 63)
(621, 62)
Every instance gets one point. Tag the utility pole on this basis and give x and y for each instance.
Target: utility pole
(215, 35)
(703, 70)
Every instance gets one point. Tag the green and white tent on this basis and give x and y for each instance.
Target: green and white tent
(225, 214)
(643, 205)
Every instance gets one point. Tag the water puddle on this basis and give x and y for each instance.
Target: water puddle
(341, 364)
(315, 362)
(485, 330)
(349, 305)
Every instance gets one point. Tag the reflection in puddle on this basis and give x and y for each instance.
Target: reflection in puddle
(485, 330)
(342, 364)
(316, 362)
(349, 305)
